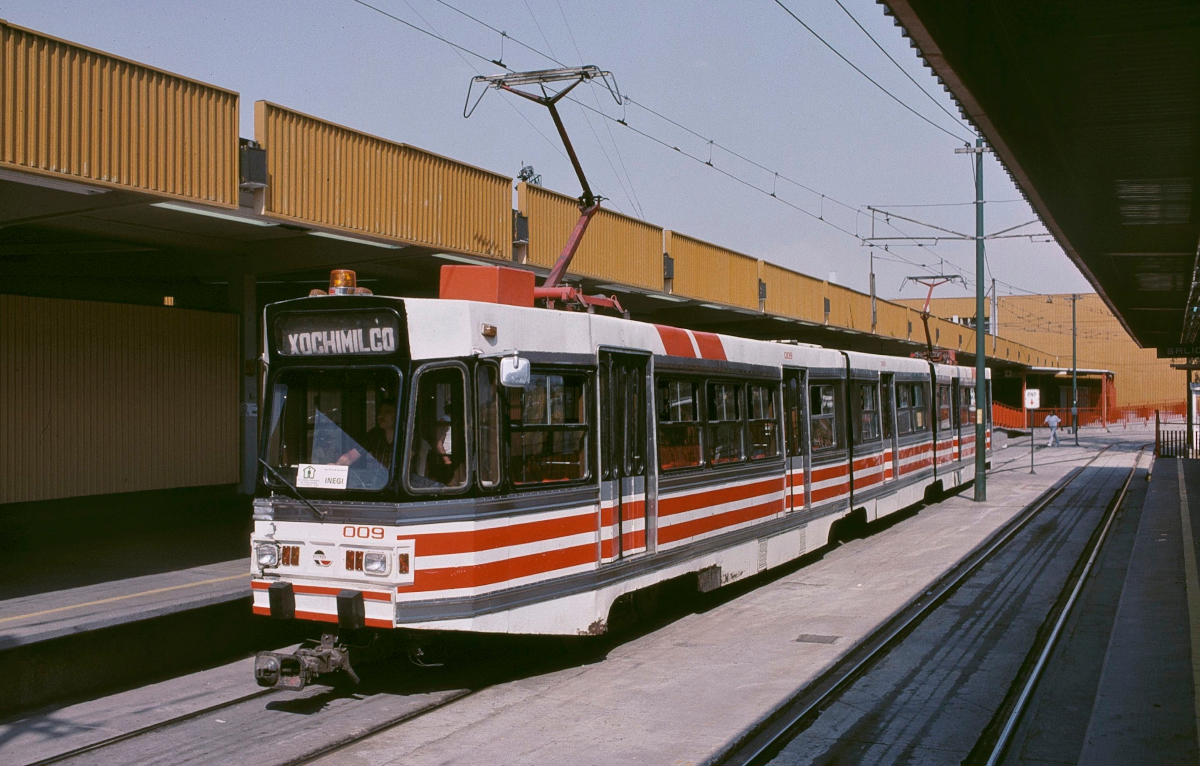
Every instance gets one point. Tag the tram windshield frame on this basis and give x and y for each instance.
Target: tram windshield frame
(326, 427)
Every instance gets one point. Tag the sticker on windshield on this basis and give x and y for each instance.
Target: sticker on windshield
(322, 476)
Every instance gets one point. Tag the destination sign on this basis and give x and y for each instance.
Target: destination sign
(335, 333)
(1183, 350)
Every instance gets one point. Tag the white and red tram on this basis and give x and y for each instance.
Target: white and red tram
(484, 465)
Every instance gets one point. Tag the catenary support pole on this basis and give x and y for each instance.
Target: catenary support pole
(1074, 374)
(980, 342)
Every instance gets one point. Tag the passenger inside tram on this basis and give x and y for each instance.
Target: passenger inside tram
(438, 455)
(440, 465)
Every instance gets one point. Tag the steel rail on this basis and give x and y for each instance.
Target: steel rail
(371, 731)
(761, 741)
(1004, 738)
(318, 752)
(122, 737)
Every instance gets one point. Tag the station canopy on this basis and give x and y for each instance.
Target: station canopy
(1094, 108)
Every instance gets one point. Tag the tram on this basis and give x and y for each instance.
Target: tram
(476, 463)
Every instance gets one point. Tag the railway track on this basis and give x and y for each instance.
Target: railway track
(268, 727)
(281, 728)
(278, 728)
(847, 714)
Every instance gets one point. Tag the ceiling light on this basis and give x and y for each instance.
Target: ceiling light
(457, 259)
(355, 240)
(47, 182)
(211, 213)
(665, 297)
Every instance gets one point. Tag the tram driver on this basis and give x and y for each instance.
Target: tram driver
(379, 441)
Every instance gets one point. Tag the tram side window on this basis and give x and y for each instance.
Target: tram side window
(966, 402)
(726, 440)
(920, 413)
(824, 425)
(866, 410)
(488, 422)
(764, 424)
(678, 423)
(548, 429)
(911, 416)
(438, 444)
(793, 415)
(904, 415)
(944, 407)
(887, 395)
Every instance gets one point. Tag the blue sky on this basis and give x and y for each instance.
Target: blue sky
(744, 75)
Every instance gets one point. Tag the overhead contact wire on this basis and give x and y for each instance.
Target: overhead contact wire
(728, 174)
(868, 77)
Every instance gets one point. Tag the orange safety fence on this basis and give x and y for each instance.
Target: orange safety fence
(1012, 417)
(1004, 416)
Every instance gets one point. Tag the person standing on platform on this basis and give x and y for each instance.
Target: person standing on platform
(1052, 421)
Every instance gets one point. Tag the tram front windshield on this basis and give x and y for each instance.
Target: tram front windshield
(333, 429)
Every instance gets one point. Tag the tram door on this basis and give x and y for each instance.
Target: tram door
(625, 515)
(956, 414)
(887, 395)
(795, 397)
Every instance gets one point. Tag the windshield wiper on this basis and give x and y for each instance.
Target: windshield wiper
(296, 492)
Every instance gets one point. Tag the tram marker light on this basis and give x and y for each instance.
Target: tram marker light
(342, 282)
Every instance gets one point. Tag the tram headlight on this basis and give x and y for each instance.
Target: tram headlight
(375, 563)
(267, 554)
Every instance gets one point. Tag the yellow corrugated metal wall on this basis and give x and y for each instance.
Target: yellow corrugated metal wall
(1044, 322)
(71, 112)
(711, 273)
(615, 247)
(893, 321)
(848, 308)
(102, 397)
(791, 294)
(326, 174)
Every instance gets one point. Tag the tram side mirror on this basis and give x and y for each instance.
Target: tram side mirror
(514, 372)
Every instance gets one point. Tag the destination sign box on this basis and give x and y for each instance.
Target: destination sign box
(1180, 351)
(337, 333)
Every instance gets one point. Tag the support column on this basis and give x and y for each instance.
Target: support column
(1104, 400)
(1191, 440)
(243, 296)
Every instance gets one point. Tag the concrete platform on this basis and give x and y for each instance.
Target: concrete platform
(682, 693)
(46, 616)
(103, 592)
(1146, 708)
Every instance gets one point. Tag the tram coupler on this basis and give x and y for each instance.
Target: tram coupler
(294, 671)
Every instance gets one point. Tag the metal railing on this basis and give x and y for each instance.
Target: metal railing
(1172, 438)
